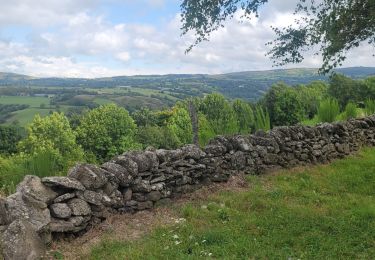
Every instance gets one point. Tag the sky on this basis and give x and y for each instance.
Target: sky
(99, 38)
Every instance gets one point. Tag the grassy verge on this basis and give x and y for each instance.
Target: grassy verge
(322, 212)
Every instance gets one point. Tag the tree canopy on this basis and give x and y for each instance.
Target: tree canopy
(334, 27)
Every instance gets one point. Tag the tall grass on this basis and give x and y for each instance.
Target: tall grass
(370, 107)
(14, 169)
(350, 111)
(262, 119)
(328, 110)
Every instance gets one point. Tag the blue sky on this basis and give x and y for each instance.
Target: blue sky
(96, 38)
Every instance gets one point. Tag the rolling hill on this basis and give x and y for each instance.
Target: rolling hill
(249, 85)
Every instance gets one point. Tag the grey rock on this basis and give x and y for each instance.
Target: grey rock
(21, 241)
(79, 207)
(192, 151)
(3, 213)
(19, 209)
(143, 186)
(33, 188)
(64, 197)
(138, 197)
(63, 182)
(126, 162)
(121, 173)
(93, 197)
(153, 196)
(60, 210)
(127, 194)
(146, 161)
(91, 176)
(73, 224)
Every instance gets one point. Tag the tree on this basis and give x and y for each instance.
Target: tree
(244, 116)
(311, 95)
(219, 114)
(283, 104)
(334, 26)
(52, 135)
(346, 90)
(9, 138)
(144, 117)
(205, 133)
(180, 124)
(107, 131)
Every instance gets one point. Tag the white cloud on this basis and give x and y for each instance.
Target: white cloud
(126, 48)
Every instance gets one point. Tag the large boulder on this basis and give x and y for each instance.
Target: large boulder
(126, 162)
(21, 241)
(35, 213)
(32, 188)
(91, 176)
(145, 160)
(3, 213)
(63, 182)
(121, 173)
(192, 151)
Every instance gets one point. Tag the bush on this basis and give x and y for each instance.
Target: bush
(157, 137)
(107, 131)
(328, 110)
(370, 107)
(350, 111)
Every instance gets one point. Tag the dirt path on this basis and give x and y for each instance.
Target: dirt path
(129, 227)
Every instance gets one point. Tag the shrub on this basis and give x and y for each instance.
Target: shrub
(350, 111)
(370, 107)
(107, 131)
(328, 110)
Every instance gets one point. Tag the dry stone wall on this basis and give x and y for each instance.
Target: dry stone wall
(133, 181)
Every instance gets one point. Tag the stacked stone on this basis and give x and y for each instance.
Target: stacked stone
(140, 180)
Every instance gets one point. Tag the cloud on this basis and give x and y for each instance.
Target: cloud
(86, 43)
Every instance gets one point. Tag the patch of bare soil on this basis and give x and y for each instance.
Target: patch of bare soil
(129, 227)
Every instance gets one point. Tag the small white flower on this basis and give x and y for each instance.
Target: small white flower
(209, 254)
(177, 242)
(204, 241)
(175, 236)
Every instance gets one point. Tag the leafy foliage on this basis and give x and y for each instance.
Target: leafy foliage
(157, 137)
(206, 133)
(107, 131)
(219, 113)
(284, 105)
(9, 138)
(334, 26)
(52, 134)
(180, 125)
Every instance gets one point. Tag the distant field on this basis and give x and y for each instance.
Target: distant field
(31, 101)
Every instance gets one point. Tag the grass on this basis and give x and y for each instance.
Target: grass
(321, 212)
(32, 101)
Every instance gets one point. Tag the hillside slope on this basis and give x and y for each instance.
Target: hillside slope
(248, 85)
